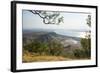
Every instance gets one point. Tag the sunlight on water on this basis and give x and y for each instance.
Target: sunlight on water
(80, 34)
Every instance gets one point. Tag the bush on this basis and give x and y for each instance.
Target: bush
(85, 52)
(68, 54)
(81, 53)
(86, 43)
(50, 48)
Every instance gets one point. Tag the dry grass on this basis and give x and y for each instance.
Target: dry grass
(34, 57)
(28, 57)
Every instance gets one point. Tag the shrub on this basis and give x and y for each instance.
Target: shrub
(85, 52)
(68, 54)
(86, 43)
(50, 48)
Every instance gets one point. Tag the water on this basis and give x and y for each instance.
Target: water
(72, 33)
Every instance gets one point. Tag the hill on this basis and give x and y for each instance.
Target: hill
(43, 36)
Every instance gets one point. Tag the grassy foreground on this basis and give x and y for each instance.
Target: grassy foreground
(41, 58)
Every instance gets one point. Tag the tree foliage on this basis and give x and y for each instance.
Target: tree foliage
(89, 20)
(85, 52)
(86, 43)
(52, 48)
(49, 17)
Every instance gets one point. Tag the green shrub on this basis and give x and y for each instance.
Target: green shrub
(85, 51)
(86, 43)
(68, 54)
(50, 48)
(81, 53)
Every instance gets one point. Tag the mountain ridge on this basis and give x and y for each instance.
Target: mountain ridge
(52, 36)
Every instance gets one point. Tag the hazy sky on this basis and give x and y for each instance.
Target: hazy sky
(72, 21)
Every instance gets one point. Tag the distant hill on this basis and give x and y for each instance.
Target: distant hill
(47, 37)
(43, 36)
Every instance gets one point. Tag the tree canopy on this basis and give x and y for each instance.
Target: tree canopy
(49, 17)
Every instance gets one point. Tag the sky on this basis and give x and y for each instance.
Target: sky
(72, 21)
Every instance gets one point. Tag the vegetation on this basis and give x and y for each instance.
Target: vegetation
(29, 57)
(85, 52)
(51, 48)
(53, 51)
(48, 17)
